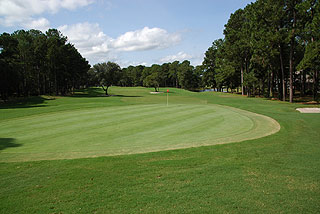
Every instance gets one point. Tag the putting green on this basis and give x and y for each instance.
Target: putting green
(127, 130)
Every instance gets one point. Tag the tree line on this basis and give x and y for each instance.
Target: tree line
(34, 63)
(271, 47)
(176, 74)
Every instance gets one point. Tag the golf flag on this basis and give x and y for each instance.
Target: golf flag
(167, 97)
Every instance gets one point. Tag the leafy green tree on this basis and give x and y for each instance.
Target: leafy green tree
(237, 43)
(311, 35)
(126, 77)
(173, 73)
(198, 76)
(209, 64)
(311, 62)
(26, 73)
(54, 57)
(108, 74)
(292, 19)
(164, 74)
(145, 72)
(186, 75)
(136, 75)
(268, 41)
(92, 77)
(9, 61)
(41, 63)
(152, 81)
(226, 75)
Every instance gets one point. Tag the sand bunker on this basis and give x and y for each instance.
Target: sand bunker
(308, 110)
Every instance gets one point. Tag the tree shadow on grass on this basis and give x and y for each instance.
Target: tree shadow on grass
(119, 95)
(8, 143)
(95, 92)
(88, 92)
(28, 102)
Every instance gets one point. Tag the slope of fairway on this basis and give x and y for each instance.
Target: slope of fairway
(274, 174)
(128, 129)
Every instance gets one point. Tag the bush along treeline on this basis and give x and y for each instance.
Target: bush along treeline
(34, 63)
(176, 74)
(271, 48)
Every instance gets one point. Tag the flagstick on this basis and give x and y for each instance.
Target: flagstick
(167, 99)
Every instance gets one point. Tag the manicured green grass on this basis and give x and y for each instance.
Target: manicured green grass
(277, 173)
(128, 129)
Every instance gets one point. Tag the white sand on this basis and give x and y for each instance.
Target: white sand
(308, 110)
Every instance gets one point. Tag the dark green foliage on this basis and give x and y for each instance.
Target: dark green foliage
(152, 80)
(175, 74)
(186, 76)
(9, 63)
(108, 74)
(263, 45)
(209, 64)
(33, 63)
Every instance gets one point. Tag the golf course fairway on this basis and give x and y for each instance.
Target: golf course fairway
(131, 153)
(117, 130)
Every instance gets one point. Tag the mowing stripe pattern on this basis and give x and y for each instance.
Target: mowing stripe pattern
(127, 130)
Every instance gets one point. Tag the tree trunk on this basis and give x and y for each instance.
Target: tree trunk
(55, 83)
(315, 85)
(303, 83)
(291, 74)
(284, 88)
(44, 84)
(271, 92)
(279, 86)
(39, 84)
(242, 87)
(269, 85)
(291, 62)
(105, 89)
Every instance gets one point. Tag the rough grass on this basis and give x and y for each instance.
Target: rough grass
(278, 173)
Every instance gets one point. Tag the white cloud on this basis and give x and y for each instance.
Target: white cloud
(22, 12)
(145, 39)
(39, 24)
(96, 46)
(126, 63)
(88, 38)
(73, 4)
(181, 56)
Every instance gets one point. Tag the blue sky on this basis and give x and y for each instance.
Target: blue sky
(129, 32)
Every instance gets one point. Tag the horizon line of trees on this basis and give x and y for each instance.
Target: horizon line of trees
(36, 63)
(175, 74)
(270, 48)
